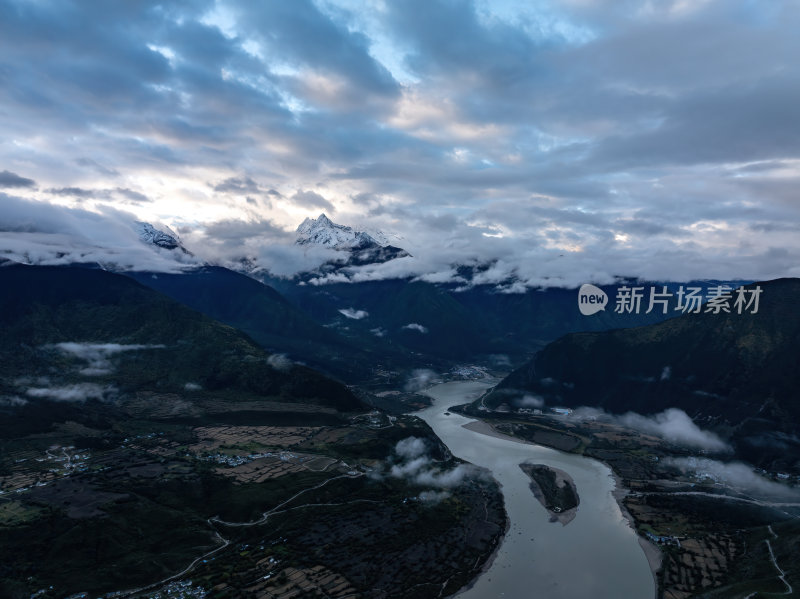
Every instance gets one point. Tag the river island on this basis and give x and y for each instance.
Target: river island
(555, 490)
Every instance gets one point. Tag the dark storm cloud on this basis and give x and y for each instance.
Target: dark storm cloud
(132, 197)
(76, 192)
(238, 185)
(732, 124)
(312, 200)
(490, 56)
(305, 37)
(9, 179)
(101, 59)
(112, 78)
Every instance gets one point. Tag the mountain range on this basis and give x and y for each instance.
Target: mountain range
(737, 374)
(734, 373)
(345, 328)
(78, 336)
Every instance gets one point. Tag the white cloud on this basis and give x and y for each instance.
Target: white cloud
(738, 475)
(433, 497)
(416, 327)
(448, 478)
(98, 355)
(410, 468)
(411, 447)
(41, 233)
(354, 314)
(280, 362)
(672, 425)
(529, 401)
(73, 393)
(417, 466)
(419, 379)
(675, 426)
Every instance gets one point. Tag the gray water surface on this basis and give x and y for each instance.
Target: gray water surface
(596, 556)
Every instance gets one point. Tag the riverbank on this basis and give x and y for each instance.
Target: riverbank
(651, 551)
(488, 563)
(536, 555)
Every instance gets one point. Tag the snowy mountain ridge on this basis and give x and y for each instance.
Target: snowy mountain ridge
(164, 238)
(362, 247)
(322, 231)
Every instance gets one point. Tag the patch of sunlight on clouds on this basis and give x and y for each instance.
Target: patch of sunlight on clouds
(222, 18)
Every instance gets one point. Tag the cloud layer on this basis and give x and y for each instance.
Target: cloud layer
(98, 355)
(738, 475)
(38, 232)
(673, 425)
(78, 392)
(354, 314)
(560, 141)
(413, 462)
(280, 362)
(419, 379)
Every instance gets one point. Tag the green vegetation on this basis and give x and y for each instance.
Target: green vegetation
(558, 496)
(17, 513)
(47, 305)
(736, 369)
(109, 493)
(140, 513)
(378, 542)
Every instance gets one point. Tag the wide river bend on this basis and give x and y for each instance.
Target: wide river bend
(596, 556)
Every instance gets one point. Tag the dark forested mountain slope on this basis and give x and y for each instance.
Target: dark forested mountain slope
(733, 371)
(125, 341)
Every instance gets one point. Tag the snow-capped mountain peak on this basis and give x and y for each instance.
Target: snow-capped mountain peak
(360, 247)
(164, 238)
(322, 231)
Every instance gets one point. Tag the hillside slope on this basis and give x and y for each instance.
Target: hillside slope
(264, 314)
(73, 335)
(737, 373)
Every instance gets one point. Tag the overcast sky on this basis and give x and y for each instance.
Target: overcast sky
(568, 141)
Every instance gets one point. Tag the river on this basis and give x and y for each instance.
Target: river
(596, 556)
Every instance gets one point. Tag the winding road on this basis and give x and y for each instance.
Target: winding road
(225, 542)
